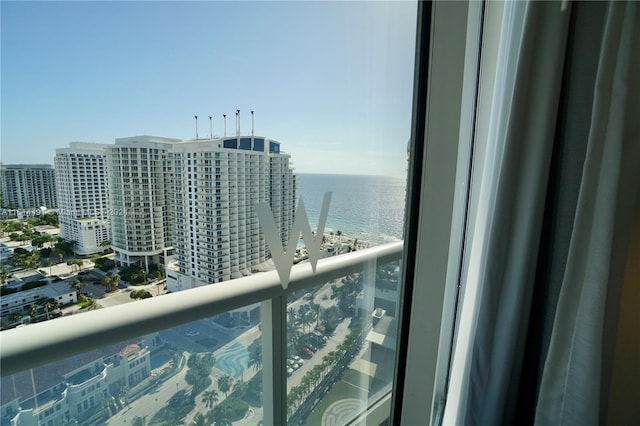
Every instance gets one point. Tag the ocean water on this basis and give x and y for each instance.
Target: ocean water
(370, 208)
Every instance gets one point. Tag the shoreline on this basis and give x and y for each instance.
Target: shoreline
(333, 239)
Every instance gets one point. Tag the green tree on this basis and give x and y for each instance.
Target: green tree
(240, 389)
(199, 420)
(4, 274)
(32, 260)
(210, 398)
(50, 306)
(139, 421)
(33, 312)
(48, 264)
(92, 304)
(106, 245)
(15, 317)
(308, 318)
(76, 262)
(199, 371)
(78, 283)
(220, 415)
(110, 281)
(224, 384)
(255, 354)
(140, 294)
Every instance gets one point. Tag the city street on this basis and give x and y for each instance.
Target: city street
(148, 405)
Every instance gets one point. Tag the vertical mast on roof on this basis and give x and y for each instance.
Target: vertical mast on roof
(196, 117)
(210, 127)
(224, 116)
(251, 123)
(237, 122)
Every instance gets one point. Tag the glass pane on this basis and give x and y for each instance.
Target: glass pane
(197, 373)
(341, 346)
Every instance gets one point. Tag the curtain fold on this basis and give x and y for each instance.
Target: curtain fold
(577, 363)
(507, 278)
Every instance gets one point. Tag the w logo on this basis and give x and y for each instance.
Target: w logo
(284, 260)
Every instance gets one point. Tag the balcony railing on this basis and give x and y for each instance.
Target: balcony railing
(38, 344)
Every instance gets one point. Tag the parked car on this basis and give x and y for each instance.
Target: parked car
(193, 333)
(307, 351)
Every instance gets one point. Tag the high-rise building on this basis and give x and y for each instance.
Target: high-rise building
(141, 215)
(215, 187)
(83, 198)
(27, 186)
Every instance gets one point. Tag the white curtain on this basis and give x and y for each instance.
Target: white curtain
(503, 270)
(575, 369)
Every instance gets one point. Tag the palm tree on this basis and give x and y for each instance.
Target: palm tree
(308, 318)
(92, 305)
(306, 383)
(33, 312)
(240, 389)
(224, 384)
(219, 416)
(78, 283)
(32, 260)
(76, 262)
(4, 274)
(15, 317)
(210, 398)
(58, 253)
(48, 264)
(339, 234)
(291, 314)
(139, 421)
(106, 245)
(255, 354)
(199, 420)
(51, 305)
(318, 372)
(110, 281)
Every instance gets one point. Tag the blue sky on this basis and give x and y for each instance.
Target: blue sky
(332, 81)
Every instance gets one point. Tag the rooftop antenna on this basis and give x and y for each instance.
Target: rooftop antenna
(225, 124)
(237, 122)
(251, 123)
(196, 117)
(210, 127)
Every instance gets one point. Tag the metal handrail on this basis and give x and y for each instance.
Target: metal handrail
(41, 343)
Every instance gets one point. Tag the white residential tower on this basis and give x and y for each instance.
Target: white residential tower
(83, 199)
(27, 186)
(141, 214)
(215, 188)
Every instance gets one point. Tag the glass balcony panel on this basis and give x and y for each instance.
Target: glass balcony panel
(341, 343)
(202, 372)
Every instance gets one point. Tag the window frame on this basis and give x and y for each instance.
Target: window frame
(441, 151)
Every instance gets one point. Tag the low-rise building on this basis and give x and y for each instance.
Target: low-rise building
(74, 388)
(16, 307)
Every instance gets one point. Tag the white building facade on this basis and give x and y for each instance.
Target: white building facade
(83, 198)
(27, 186)
(215, 187)
(139, 202)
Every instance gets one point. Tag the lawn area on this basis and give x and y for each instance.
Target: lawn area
(352, 385)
